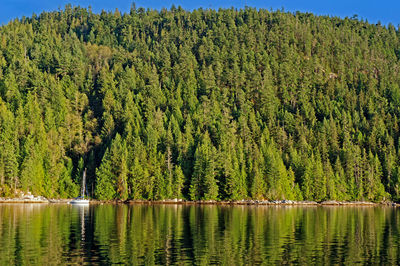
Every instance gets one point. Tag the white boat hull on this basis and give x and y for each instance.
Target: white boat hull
(79, 202)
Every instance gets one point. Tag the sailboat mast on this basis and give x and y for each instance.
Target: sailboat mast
(83, 183)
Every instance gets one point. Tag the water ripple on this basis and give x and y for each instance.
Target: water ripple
(197, 235)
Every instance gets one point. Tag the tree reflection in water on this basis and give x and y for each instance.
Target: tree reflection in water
(179, 234)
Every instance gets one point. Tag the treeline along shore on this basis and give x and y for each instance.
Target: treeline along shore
(39, 199)
(200, 105)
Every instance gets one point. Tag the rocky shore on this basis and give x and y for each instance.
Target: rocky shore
(25, 198)
(264, 202)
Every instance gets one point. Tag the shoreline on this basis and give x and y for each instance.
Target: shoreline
(44, 200)
(266, 203)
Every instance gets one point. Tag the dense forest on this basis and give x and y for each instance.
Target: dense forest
(215, 105)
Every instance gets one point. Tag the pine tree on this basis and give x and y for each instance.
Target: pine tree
(105, 184)
(204, 183)
(178, 182)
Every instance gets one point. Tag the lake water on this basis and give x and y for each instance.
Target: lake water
(52, 234)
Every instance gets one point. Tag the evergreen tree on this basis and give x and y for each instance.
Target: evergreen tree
(105, 185)
(204, 183)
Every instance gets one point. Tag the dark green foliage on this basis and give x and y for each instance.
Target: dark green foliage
(229, 104)
(204, 183)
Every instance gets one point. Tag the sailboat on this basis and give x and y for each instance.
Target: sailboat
(81, 199)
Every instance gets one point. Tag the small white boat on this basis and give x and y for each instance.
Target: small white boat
(81, 199)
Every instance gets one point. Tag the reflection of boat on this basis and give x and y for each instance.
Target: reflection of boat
(81, 199)
(83, 210)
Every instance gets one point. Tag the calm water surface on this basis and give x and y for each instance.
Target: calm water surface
(177, 234)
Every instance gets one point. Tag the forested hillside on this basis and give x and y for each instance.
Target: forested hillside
(227, 104)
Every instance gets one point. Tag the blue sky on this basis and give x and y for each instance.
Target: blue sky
(384, 11)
